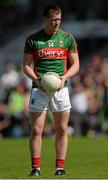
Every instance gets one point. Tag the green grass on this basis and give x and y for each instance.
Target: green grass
(87, 158)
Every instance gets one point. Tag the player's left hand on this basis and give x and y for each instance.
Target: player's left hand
(62, 82)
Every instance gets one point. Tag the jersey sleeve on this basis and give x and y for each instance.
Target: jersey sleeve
(72, 45)
(28, 48)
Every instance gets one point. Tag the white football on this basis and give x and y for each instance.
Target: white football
(50, 82)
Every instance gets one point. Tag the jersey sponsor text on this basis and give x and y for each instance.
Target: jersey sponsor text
(54, 53)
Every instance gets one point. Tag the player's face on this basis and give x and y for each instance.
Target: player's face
(52, 22)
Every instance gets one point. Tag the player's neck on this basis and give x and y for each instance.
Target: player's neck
(50, 31)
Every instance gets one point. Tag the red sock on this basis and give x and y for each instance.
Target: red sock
(36, 162)
(60, 163)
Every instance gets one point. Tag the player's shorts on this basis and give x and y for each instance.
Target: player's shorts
(56, 102)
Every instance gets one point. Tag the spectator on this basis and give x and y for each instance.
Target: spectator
(5, 122)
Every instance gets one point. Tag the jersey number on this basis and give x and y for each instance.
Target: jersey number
(51, 44)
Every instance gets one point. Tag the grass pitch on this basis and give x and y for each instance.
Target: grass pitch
(87, 158)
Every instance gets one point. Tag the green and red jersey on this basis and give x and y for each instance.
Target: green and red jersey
(50, 53)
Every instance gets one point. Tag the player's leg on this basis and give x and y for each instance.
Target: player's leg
(37, 124)
(61, 123)
(38, 107)
(60, 106)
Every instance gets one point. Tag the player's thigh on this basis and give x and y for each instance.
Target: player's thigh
(60, 101)
(61, 119)
(37, 120)
(38, 101)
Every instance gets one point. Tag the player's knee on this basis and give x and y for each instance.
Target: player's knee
(36, 131)
(61, 131)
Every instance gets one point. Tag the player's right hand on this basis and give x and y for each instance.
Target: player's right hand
(38, 82)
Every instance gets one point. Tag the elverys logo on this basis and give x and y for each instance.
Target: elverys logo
(54, 53)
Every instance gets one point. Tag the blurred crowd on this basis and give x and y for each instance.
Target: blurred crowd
(88, 94)
(14, 94)
(89, 98)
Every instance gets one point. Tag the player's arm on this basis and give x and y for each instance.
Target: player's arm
(27, 61)
(74, 60)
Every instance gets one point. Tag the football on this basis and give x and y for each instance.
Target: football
(50, 82)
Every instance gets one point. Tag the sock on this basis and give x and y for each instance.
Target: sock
(59, 164)
(36, 162)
